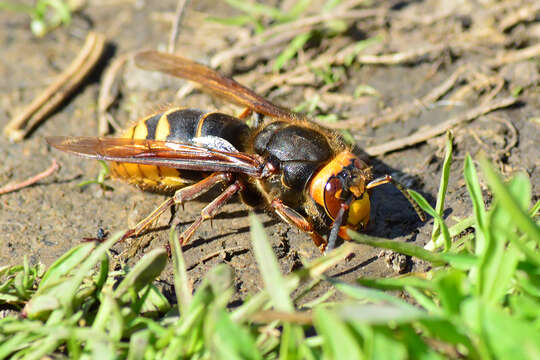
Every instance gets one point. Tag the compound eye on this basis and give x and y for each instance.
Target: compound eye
(332, 196)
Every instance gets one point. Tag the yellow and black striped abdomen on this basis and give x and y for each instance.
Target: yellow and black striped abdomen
(182, 125)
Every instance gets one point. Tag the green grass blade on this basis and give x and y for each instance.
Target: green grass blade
(259, 300)
(339, 341)
(221, 280)
(102, 315)
(101, 278)
(448, 331)
(475, 192)
(108, 320)
(425, 301)
(386, 346)
(530, 252)
(269, 267)
(463, 261)
(450, 287)
(63, 281)
(331, 4)
(292, 49)
(257, 9)
(498, 269)
(534, 209)
(500, 334)
(501, 258)
(439, 207)
(298, 8)
(313, 270)
(182, 286)
(454, 231)
(16, 7)
(422, 202)
(41, 305)
(361, 46)
(62, 10)
(86, 268)
(154, 302)
(144, 272)
(374, 296)
(231, 21)
(138, 344)
(396, 283)
(398, 246)
(501, 192)
(65, 264)
(12, 344)
(232, 341)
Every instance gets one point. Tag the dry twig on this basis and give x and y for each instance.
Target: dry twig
(478, 83)
(20, 126)
(108, 92)
(514, 138)
(428, 133)
(401, 57)
(340, 57)
(508, 57)
(179, 14)
(221, 252)
(524, 13)
(283, 33)
(402, 110)
(34, 179)
(268, 316)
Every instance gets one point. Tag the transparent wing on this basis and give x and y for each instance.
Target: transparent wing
(212, 82)
(160, 153)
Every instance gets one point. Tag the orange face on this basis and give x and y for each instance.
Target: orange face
(342, 182)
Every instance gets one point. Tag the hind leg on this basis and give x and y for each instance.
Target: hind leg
(180, 197)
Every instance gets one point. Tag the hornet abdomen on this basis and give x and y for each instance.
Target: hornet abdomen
(181, 125)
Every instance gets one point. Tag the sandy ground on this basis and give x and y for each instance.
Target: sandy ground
(45, 220)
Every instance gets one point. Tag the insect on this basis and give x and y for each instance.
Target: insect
(290, 166)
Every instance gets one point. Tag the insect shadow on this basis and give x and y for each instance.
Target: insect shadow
(392, 215)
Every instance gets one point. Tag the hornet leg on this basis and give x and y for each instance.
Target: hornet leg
(245, 114)
(181, 196)
(292, 217)
(210, 210)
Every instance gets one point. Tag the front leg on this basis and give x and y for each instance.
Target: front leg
(294, 218)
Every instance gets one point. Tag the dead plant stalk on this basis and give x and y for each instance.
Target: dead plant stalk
(34, 179)
(428, 133)
(54, 95)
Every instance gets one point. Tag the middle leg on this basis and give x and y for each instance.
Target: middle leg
(210, 210)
